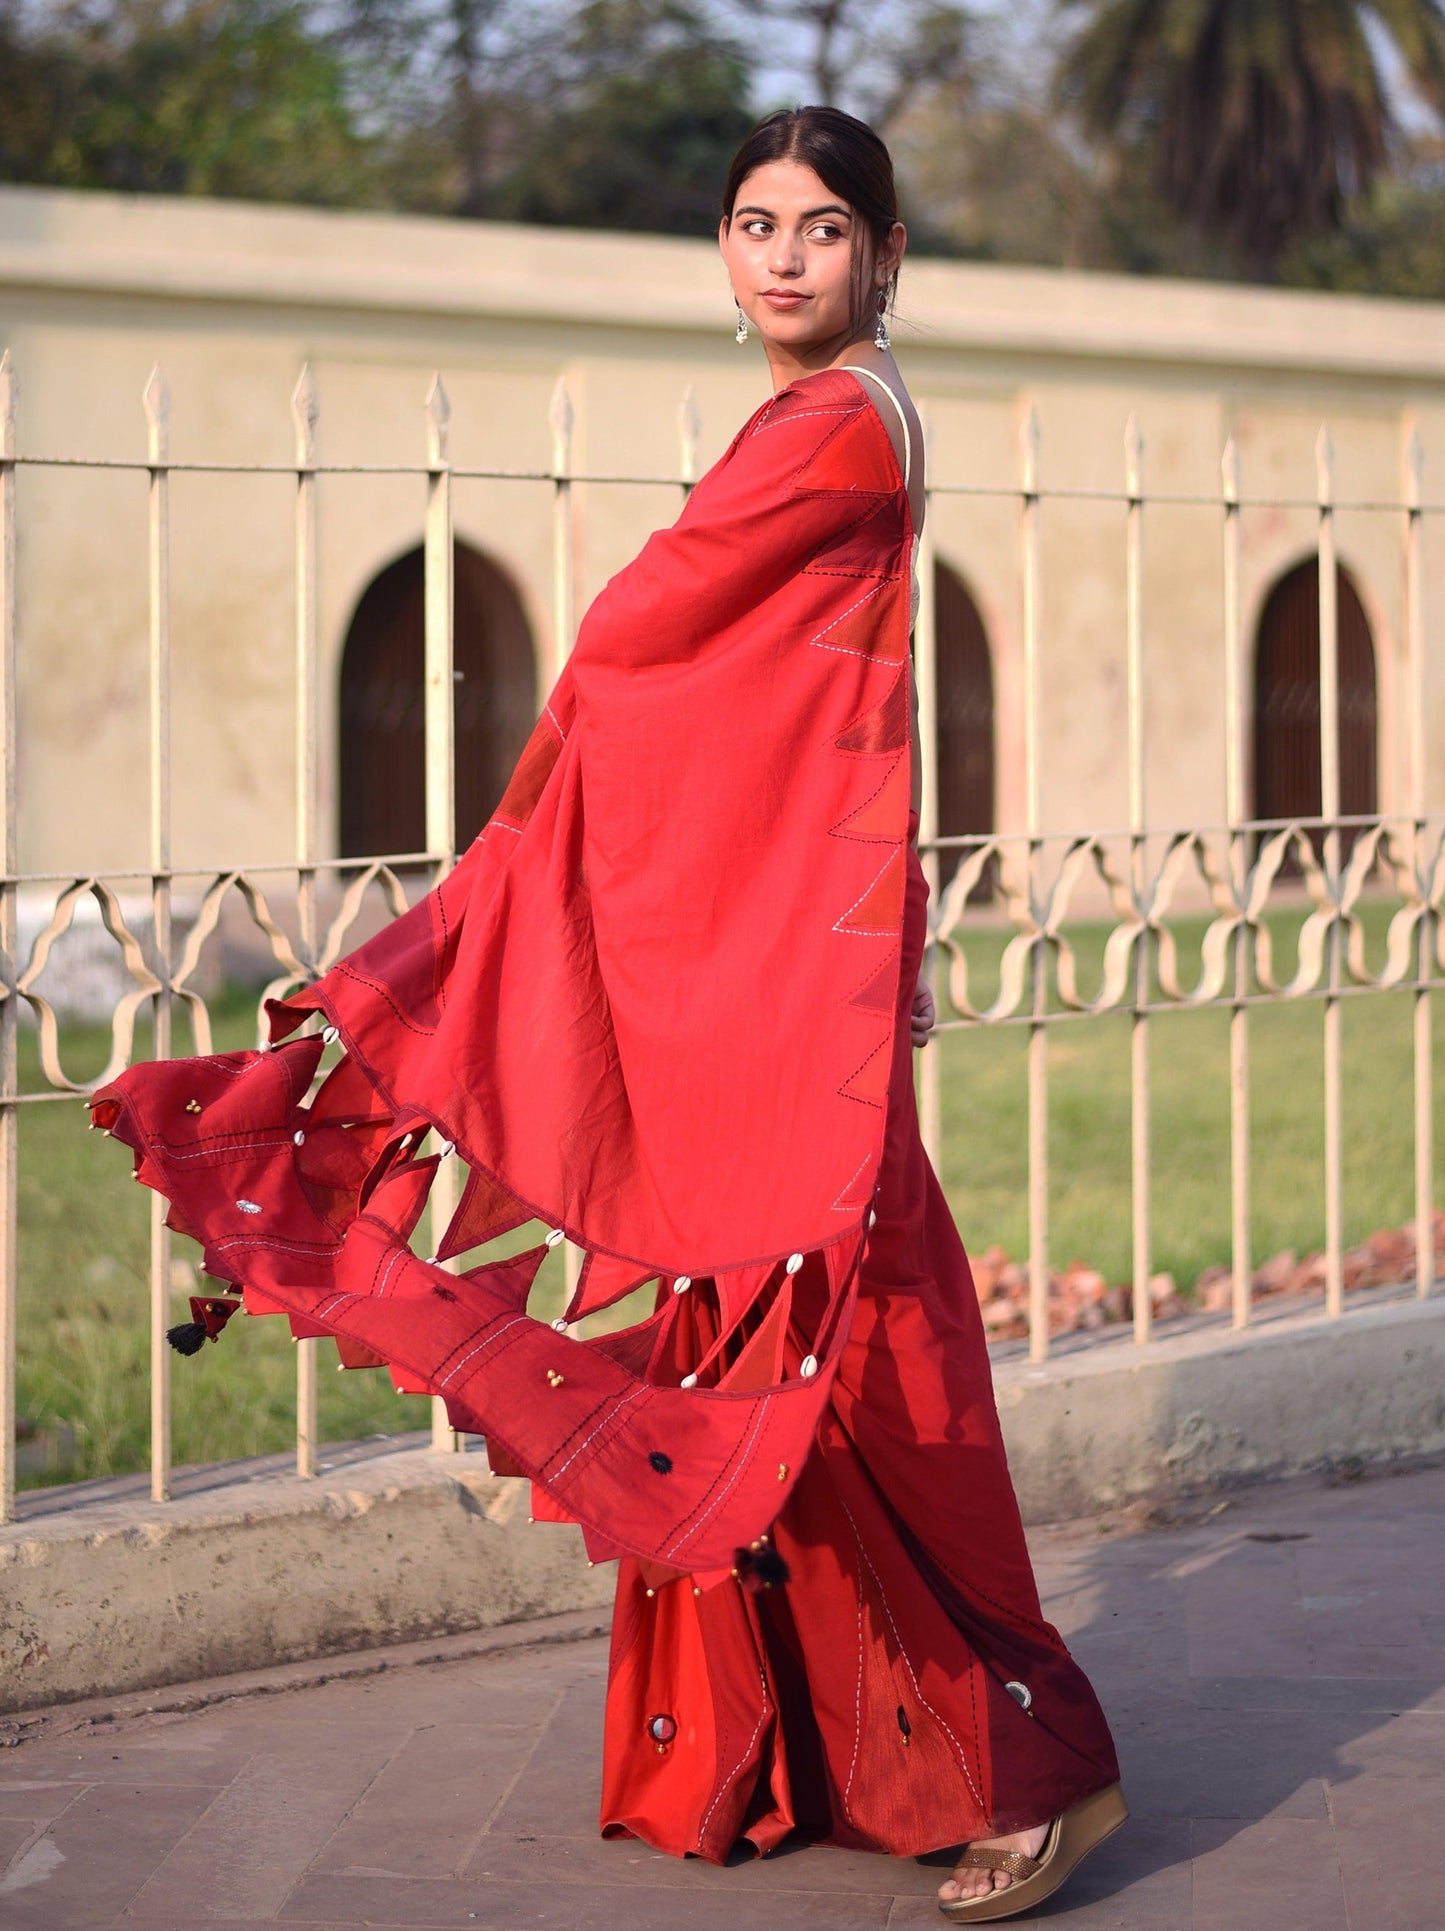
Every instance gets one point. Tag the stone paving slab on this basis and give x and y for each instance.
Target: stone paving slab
(1273, 1664)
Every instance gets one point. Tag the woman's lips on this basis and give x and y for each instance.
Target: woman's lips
(784, 300)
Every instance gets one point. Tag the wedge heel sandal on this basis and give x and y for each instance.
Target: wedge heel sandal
(1070, 1839)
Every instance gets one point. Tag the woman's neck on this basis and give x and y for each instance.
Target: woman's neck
(787, 365)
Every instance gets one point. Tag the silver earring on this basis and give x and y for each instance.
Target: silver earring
(880, 340)
(742, 334)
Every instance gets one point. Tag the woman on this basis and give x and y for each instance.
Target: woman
(666, 1002)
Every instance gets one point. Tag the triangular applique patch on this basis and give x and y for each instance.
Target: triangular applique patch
(883, 815)
(870, 1082)
(883, 728)
(856, 457)
(880, 909)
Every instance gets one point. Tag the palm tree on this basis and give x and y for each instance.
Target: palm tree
(1261, 119)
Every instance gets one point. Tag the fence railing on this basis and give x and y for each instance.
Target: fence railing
(307, 910)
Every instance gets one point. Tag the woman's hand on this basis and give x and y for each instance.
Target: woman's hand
(925, 1013)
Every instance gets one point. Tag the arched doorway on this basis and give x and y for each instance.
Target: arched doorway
(964, 733)
(383, 740)
(1287, 781)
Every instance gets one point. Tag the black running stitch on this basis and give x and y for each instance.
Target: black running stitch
(877, 837)
(858, 1098)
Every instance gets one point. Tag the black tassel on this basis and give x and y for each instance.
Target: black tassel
(187, 1338)
(761, 1567)
(770, 1569)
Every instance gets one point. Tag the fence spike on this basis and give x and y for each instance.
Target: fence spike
(1414, 466)
(9, 389)
(1229, 470)
(438, 422)
(1133, 455)
(304, 411)
(689, 426)
(563, 418)
(1325, 465)
(157, 399)
(1029, 447)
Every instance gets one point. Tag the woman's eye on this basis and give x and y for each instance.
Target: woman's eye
(826, 231)
(756, 227)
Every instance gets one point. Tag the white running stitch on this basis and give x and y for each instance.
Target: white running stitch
(316, 1247)
(329, 1307)
(942, 1724)
(696, 1528)
(723, 1783)
(797, 415)
(557, 1473)
(380, 1289)
(868, 932)
(846, 650)
(496, 1335)
(553, 715)
(219, 1153)
(837, 1207)
(858, 1692)
(502, 825)
(845, 616)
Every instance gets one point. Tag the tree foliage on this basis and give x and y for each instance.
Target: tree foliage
(1262, 120)
(219, 97)
(1194, 137)
(631, 122)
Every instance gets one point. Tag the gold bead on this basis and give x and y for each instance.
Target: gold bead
(782, 1471)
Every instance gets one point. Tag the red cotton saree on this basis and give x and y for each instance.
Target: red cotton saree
(661, 1004)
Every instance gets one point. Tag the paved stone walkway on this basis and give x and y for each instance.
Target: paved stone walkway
(1274, 1668)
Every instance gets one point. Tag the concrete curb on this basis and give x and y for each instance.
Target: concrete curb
(107, 1594)
(125, 1595)
(142, 1708)
(1111, 1423)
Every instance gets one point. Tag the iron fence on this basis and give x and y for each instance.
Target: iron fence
(1037, 877)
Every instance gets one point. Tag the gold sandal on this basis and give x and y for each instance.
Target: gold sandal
(1070, 1839)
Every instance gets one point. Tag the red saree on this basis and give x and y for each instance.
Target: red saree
(661, 1004)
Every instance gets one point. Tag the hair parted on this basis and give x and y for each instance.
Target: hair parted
(851, 162)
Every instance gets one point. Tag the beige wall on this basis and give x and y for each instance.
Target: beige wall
(231, 300)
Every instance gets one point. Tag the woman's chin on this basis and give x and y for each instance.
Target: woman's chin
(798, 335)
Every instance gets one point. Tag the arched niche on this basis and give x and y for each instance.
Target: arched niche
(1287, 780)
(964, 730)
(382, 792)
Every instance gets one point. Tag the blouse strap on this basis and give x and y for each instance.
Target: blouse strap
(854, 368)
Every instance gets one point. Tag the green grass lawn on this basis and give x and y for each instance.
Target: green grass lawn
(83, 1340)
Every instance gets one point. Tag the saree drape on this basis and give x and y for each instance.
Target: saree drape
(661, 1004)
(653, 1005)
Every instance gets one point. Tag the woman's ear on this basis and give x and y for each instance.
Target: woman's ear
(890, 256)
(722, 236)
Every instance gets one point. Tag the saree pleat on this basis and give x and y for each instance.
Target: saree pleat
(867, 1703)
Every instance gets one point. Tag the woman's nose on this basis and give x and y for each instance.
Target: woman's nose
(786, 257)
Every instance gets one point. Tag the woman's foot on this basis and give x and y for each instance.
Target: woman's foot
(971, 1880)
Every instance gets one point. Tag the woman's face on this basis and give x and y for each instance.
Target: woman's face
(789, 251)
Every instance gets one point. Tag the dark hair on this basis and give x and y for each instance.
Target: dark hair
(848, 158)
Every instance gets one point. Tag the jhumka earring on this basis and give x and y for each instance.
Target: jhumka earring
(742, 334)
(880, 340)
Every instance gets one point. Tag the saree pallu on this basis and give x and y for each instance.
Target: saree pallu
(903, 1692)
(661, 1004)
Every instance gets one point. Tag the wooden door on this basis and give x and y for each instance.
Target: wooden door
(965, 723)
(383, 740)
(1287, 781)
